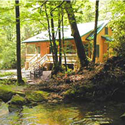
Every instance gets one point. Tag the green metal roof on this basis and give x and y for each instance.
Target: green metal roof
(83, 28)
(107, 38)
(99, 28)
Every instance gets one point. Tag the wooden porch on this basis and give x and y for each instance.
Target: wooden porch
(35, 60)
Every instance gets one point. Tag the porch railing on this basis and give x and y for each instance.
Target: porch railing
(36, 60)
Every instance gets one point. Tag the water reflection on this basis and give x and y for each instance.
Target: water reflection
(40, 115)
(51, 115)
(64, 114)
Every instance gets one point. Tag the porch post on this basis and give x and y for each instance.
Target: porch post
(26, 63)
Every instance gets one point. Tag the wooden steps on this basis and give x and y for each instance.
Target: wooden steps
(36, 63)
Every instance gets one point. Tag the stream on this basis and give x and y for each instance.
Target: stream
(63, 114)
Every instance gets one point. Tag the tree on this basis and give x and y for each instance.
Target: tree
(55, 61)
(75, 33)
(84, 10)
(118, 27)
(60, 42)
(49, 32)
(95, 31)
(64, 52)
(7, 36)
(18, 46)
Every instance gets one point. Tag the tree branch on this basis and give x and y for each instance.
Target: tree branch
(57, 7)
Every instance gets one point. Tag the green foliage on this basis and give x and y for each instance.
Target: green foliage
(118, 27)
(11, 82)
(69, 92)
(6, 74)
(89, 59)
(8, 31)
(69, 71)
(69, 49)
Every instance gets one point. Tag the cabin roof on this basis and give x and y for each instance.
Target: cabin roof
(107, 38)
(99, 28)
(83, 28)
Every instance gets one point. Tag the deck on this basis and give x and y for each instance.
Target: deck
(35, 59)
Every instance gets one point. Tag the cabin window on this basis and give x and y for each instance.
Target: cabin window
(106, 30)
(30, 49)
(38, 49)
(97, 50)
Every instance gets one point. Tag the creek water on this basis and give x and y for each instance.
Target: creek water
(62, 114)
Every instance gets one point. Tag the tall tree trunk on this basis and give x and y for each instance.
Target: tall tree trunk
(75, 33)
(49, 32)
(95, 30)
(55, 67)
(63, 41)
(18, 46)
(60, 44)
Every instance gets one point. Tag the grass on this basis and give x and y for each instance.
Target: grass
(6, 88)
(11, 84)
(14, 88)
(6, 74)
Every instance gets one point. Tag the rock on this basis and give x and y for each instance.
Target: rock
(13, 108)
(6, 93)
(16, 103)
(123, 117)
(18, 100)
(20, 93)
(37, 96)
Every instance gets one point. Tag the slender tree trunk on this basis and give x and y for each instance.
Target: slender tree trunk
(75, 33)
(60, 44)
(18, 46)
(49, 32)
(55, 68)
(63, 41)
(95, 31)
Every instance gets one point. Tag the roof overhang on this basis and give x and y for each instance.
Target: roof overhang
(107, 38)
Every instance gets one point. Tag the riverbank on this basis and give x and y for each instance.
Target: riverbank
(96, 83)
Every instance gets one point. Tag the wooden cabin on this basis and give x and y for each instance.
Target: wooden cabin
(38, 46)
